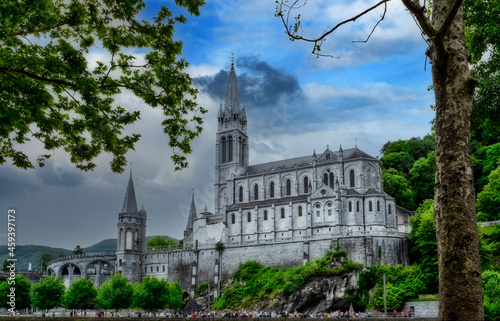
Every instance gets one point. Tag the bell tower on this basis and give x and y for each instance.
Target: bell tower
(231, 144)
(131, 236)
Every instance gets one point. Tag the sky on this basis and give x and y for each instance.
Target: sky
(370, 93)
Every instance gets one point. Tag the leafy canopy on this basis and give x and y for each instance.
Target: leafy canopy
(81, 294)
(50, 92)
(160, 243)
(22, 292)
(48, 293)
(116, 293)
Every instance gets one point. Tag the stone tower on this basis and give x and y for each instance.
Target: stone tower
(231, 156)
(131, 236)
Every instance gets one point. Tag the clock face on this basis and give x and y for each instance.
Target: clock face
(323, 191)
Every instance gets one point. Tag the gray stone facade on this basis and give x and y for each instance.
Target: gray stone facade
(284, 213)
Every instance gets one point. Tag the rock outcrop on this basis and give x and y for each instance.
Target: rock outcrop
(321, 295)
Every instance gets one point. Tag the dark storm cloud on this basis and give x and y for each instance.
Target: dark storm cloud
(261, 86)
(15, 183)
(54, 174)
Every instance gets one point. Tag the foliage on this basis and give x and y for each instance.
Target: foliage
(154, 294)
(45, 258)
(48, 293)
(5, 266)
(51, 92)
(22, 288)
(116, 293)
(78, 250)
(422, 175)
(203, 287)
(254, 282)
(488, 201)
(160, 243)
(486, 159)
(219, 247)
(396, 185)
(423, 235)
(491, 290)
(81, 294)
(402, 284)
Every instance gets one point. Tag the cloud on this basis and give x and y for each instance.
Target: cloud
(57, 174)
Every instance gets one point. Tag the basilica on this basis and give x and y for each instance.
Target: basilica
(283, 213)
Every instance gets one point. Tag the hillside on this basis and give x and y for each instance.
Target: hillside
(26, 254)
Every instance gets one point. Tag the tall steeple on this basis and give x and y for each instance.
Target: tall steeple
(232, 95)
(192, 214)
(129, 202)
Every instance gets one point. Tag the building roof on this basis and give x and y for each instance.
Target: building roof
(304, 161)
(192, 214)
(129, 202)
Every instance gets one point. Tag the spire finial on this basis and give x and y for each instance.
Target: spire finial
(232, 58)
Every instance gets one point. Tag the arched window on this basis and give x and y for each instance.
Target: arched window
(331, 180)
(256, 191)
(370, 206)
(224, 149)
(357, 206)
(230, 149)
(288, 187)
(240, 194)
(306, 185)
(350, 206)
(300, 210)
(243, 152)
(249, 217)
(157, 268)
(282, 213)
(233, 219)
(271, 190)
(390, 209)
(351, 177)
(369, 177)
(265, 215)
(325, 179)
(378, 205)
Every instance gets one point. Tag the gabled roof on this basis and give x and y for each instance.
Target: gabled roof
(304, 161)
(129, 202)
(373, 191)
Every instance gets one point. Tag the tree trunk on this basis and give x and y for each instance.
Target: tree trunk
(460, 287)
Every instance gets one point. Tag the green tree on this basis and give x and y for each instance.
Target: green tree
(151, 294)
(159, 242)
(486, 159)
(48, 293)
(5, 266)
(45, 258)
(22, 288)
(175, 295)
(116, 293)
(400, 161)
(491, 286)
(424, 249)
(81, 294)
(78, 250)
(422, 176)
(488, 201)
(49, 91)
(395, 296)
(442, 25)
(396, 185)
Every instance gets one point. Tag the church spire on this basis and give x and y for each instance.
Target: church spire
(129, 202)
(192, 214)
(232, 95)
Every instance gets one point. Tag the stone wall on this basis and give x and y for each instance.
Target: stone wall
(423, 309)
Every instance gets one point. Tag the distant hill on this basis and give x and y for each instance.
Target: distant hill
(26, 254)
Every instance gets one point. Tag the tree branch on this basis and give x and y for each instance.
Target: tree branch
(443, 30)
(295, 37)
(55, 81)
(24, 33)
(374, 27)
(418, 12)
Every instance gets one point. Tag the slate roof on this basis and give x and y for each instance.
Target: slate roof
(304, 161)
(129, 202)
